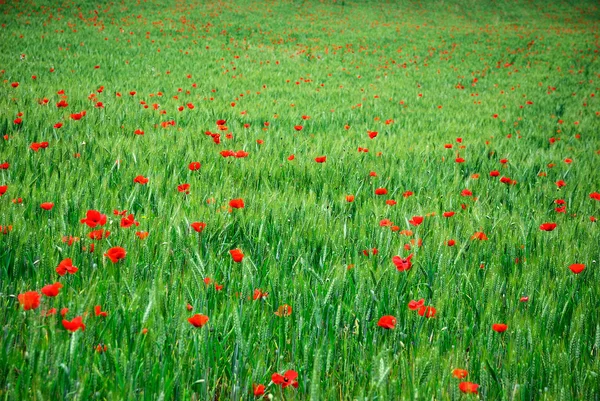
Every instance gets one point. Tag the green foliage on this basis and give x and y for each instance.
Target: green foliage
(506, 77)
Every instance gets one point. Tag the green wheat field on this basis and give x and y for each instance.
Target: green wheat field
(299, 200)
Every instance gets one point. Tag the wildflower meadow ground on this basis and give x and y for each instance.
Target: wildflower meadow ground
(299, 200)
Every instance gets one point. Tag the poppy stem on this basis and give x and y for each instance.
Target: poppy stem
(199, 245)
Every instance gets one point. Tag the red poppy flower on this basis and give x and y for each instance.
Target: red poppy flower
(184, 188)
(69, 240)
(291, 157)
(499, 327)
(221, 122)
(47, 205)
(237, 203)
(385, 223)
(101, 348)
(407, 194)
(479, 235)
(116, 253)
(94, 218)
(74, 324)
(381, 191)
(62, 103)
(98, 311)
(14, 84)
(390, 202)
(194, 166)
(451, 242)
(402, 264)
(99, 234)
(507, 181)
(524, 299)
(460, 373)
(58, 125)
(427, 311)
(198, 226)
(373, 251)
(240, 154)
(577, 268)
(283, 310)
(258, 390)
(129, 221)
(259, 294)
(459, 160)
(138, 132)
(236, 255)
(372, 134)
(30, 300)
(37, 146)
(142, 234)
(198, 320)
(595, 195)
(416, 220)
(466, 192)
(49, 312)
(3, 189)
(66, 266)
(285, 380)
(349, 198)
(547, 226)
(468, 387)
(448, 214)
(140, 179)
(560, 183)
(321, 159)
(387, 322)
(416, 305)
(51, 290)
(298, 127)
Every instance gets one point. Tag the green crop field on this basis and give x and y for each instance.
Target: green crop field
(299, 200)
